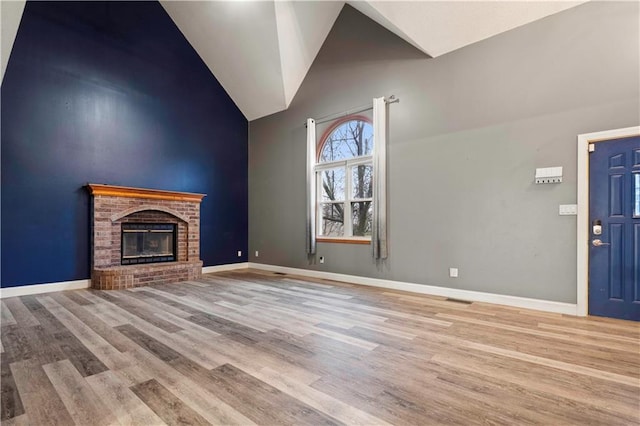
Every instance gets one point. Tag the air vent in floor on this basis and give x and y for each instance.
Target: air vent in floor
(466, 302)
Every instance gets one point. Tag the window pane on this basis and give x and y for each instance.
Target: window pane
(332, 220)
(636, 197)
(361, 181)
(333, 184)
(362, 218)
(350, 139)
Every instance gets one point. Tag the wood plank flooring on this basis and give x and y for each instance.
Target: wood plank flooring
(251, 347)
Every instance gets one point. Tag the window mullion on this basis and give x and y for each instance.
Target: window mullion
(360, 161)
(331, 165)
(319, 202)
(348, 227)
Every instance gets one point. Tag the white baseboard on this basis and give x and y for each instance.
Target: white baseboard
(227, 267)
(26, 290)
(473, 296)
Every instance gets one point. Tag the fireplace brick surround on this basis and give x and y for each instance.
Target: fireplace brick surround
(114, 205)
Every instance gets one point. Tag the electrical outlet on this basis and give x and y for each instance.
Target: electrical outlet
(239, 253)
(257, 253)
(453, 272)
(321, 259)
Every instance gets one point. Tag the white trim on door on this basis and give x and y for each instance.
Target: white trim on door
(583, 207)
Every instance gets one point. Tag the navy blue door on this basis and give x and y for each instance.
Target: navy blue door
(614, 220)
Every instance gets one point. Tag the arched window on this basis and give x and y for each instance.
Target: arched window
(344, 178)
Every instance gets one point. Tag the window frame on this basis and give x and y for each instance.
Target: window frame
(347, 165)
(635, 185)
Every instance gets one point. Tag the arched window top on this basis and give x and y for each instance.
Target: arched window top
(348, 138)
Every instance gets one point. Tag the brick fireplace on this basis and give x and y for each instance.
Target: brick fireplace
(143, 209)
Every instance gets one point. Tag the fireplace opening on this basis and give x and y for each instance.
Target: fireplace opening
(148, 243)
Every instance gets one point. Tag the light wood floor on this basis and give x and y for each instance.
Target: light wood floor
(252, 347)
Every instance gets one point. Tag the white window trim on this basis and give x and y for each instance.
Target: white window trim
(378, 239)
(347, 164)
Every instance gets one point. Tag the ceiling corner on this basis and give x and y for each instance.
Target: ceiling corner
(302, 29)
(10, 17)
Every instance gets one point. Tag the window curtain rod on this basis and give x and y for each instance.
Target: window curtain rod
(390, 100)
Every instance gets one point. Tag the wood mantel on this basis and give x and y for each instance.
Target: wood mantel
(153, 194)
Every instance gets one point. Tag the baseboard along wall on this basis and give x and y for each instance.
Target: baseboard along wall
(27, 290)
(472, 296)
(227, 267)
(469, 295)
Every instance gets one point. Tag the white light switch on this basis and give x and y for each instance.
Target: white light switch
(568, 210)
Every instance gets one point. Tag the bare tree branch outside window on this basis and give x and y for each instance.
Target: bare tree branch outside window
(349, 140)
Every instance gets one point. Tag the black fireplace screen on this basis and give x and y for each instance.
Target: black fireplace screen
(148, 243)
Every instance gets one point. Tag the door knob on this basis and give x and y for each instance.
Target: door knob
(598, 243)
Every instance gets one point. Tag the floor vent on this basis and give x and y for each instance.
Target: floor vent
(279, 273)
(466, 302)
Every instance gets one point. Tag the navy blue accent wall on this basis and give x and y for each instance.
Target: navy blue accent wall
(111, 92)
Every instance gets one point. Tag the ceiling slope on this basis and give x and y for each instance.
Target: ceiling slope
(238, 41)
(302, 28)
(439, 27)
(10, 16)
(259, 51)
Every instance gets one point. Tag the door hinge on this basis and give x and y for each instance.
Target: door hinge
(592, 147)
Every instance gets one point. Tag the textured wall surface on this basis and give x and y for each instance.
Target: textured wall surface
(110, 92)
(464, 142)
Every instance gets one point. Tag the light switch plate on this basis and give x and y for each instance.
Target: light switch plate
(568, 210)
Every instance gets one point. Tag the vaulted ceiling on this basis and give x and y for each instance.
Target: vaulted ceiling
(260, 51)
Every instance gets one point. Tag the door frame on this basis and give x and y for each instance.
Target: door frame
(582, 308)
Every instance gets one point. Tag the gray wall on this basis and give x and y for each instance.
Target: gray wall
(464, 142)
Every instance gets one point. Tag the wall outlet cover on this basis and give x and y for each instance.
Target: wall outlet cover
(568, 210)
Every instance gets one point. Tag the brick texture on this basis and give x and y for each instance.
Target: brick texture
(110, 212)
(129, 276)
